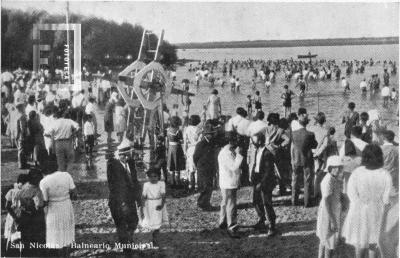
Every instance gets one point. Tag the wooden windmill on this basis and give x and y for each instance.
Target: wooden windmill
(148, 87)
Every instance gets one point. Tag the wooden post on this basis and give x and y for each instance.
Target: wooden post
(77, 58)
(36, 51)
(69, 53)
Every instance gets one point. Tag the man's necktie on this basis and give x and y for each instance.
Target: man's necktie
(128, 172)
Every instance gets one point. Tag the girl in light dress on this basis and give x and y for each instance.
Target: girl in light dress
(330, 207)
(153, 211)
(368, 189)
(120, 119)
(191, 136)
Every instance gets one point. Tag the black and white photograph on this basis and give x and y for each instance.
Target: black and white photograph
(199, 128)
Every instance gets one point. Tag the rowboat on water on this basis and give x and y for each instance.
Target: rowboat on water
(306, 56)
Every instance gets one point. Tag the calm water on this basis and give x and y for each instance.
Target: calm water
(376, 52)
(331, 99)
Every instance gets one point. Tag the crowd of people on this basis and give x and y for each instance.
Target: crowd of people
(302, 72)
(353, 185)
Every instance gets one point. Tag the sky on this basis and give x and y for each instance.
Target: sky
(185, 22)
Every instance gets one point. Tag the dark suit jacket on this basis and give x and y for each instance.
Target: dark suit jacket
(266, 175)
(204, 158)
(122, 188)
(22, 128)
(303, 142)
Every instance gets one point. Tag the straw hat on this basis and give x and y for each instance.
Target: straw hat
(125, 146)
(333, 161)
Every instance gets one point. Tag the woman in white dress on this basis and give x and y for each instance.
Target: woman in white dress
(191, 136)
(153, 211)
(58, 188)
(214, 105)
(368, 190)
(120, 119)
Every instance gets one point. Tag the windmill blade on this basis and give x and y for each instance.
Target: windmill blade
(134, 103)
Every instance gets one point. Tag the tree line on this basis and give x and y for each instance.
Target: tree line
(104, 43)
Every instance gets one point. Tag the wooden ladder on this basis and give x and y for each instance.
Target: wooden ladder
(146, 39)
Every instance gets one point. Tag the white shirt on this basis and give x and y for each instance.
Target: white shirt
(78, 101)
(50, 97)
(166, 117)
(229, 168)
(295, 125)
(232, 80)
(62, 128)
(30, 108)
(385, 92)
(241, 124)
(256, 127)
(63, 93)
(363, 84)
(359, 144)
(105, 85)
(90, 108)
(47, 122)
(344, 83)
(19, 96)
(258, 159)
(88, 128)
(268, 84)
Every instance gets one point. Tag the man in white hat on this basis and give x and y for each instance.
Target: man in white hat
(125, 192)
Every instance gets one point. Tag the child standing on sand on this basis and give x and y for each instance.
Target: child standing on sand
(88, 135)
(249, 105)
(330, 207)
(153, 210)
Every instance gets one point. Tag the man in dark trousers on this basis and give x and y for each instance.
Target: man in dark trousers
(205, 162)
(125, 193)
(303, 141)
(22, 136)
(264, 181)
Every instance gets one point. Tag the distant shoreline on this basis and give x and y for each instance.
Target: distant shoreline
(290, 43)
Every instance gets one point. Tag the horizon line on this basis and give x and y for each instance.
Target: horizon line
(270, 40)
